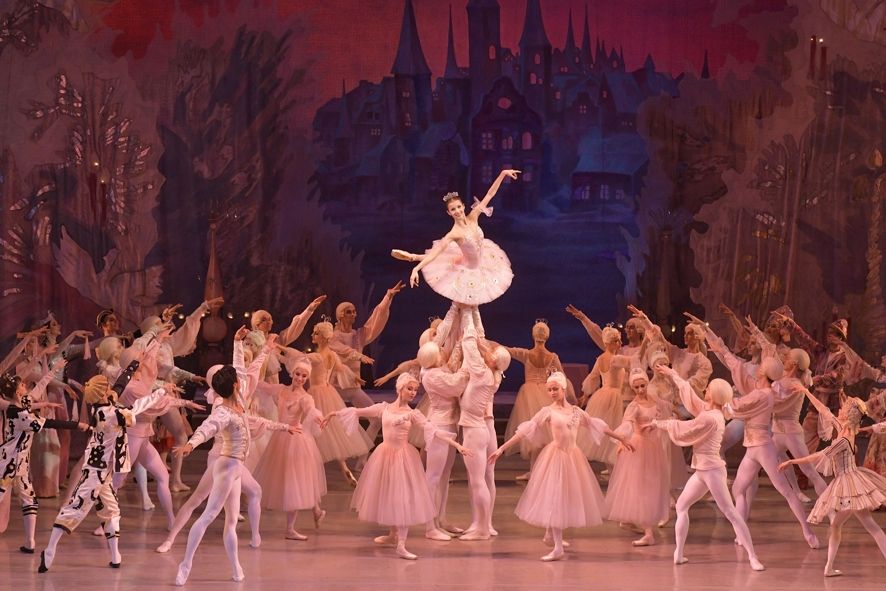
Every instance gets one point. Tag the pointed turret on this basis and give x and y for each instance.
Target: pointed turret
(586, 56)
(705, 70)
(613, 59)
(410, 60)
(649, 64)
(600, 56)
(621, 56)
(533, 27)
(452, 71)
(570, 37)
(484, 47)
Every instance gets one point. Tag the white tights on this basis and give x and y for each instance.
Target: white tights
(835, 534)
(766, 457)
(699, 483)
(225, 494)
(248, 485)
(440, 457)
(142, 452)
(796, 444)
(481, 475)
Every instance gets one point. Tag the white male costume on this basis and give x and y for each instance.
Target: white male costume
(443, 389)
(349, 347)
(478, 429)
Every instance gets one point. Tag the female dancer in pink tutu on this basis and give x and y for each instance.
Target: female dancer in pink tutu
(326, 368)
(563, 491)
(393, 490)
(606, 402)
(855, 491)
(538, 362)
(705, 434)
(639, 489)
(463, 266)
(290, 470)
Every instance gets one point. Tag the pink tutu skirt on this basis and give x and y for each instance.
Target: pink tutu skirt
(639, 488)
(291, 472)
(392, 489)
(469, 274)
(562, 491)
(531, 398)
(855, 490)
(334, 442)
(604, 404)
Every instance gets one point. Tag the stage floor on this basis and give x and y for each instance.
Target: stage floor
(342, 556)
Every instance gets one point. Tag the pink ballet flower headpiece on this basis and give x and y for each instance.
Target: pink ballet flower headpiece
(485, 210)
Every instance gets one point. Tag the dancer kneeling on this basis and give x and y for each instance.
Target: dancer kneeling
(563, 491)
(392, 489)
(704, 433)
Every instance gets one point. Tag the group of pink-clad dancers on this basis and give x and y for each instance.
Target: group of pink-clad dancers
(640, 403)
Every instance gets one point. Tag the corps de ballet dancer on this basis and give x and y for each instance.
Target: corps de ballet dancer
(393, 490)
(22, 423)
(230, 422)
(249, 377)
(640, 484)
(855, 491)
(107, 454)
(563, 491)
(705, 434)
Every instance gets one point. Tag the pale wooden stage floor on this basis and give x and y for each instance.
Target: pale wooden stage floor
(342, 556)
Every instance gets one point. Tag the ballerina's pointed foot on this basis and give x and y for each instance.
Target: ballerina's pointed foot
(552, 556)
(493, 531)
(349, 476)
(402, 255)
(452, 530)
(804, 498)
(99, 531)
(386, 540)
(165, 547)
(45, 561)
(680, 559)
(255, 542)
(179, 487)
(147, 506)
(294, 535)
(114, 564)
(238, 576)
(812, 540)
(181, 577)
(833, 572)
(25, 550)
(240, 518)
(473, 535)
(523, 477)
(644, 541)
(319, 516)
(438, 535)
(756, 564)
(405, 554)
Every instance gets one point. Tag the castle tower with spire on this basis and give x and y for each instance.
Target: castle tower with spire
(412, 78)
(452, 96)
(484, 47)
(535, 60)
(587, 56)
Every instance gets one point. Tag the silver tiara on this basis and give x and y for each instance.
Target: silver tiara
(325, 318)
(450, 196)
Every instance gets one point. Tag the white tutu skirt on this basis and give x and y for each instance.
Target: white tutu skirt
(855, 490)
(562, 491)
(604, 404)
(393, 489)
(531, 398)
(334, 442)
(467, 275)
(291, 472)
(639, 488)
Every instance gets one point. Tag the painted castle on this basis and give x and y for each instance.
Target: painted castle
(566, 117)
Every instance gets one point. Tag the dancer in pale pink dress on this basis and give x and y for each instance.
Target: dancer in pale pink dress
(705, 434)
(290, 470)
(392, 489)
(538, 363)
(855, 491)
(606, 402)
(563, 491)
(326, 367)
(639, 488)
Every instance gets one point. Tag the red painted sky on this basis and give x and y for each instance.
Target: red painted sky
(357, 39)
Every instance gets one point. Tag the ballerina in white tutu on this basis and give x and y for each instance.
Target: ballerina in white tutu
(463, 266)
(392, 489)
(563, 491)
(855, 491)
